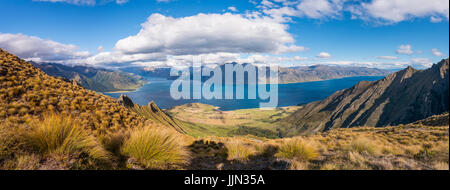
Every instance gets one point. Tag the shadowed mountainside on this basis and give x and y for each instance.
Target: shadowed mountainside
(402, 97)
(100, 80)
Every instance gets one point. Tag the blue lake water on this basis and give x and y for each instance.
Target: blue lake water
(158, 90)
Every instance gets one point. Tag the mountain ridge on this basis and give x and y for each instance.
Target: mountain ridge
(286, 74)
(97, 79)
(399, 98)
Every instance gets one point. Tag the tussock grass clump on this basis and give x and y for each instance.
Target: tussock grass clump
(57, 134)
(297, 149)
(238, 150)
(11, 141)
(363, 145)
(155, 148)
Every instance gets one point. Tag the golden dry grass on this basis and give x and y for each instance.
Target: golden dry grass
(155, 148)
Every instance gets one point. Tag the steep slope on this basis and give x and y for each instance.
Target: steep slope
(100, 80)
(402, 97)
(27, 93)
(153, 113)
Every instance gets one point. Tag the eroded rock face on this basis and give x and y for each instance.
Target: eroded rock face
(402, 97)
(125, 101)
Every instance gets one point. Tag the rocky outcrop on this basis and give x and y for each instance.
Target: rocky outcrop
(125, 101)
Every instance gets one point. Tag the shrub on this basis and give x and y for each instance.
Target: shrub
(63, 135)
(297, 149)
(155, 148)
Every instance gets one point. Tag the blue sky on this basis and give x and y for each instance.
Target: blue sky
(375, 33)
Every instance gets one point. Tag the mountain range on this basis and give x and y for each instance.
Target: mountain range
(285, 74)
(399, 98)
(97, 79)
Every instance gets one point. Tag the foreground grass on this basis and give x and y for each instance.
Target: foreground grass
(155, 148)
(58, 142)
(63, 135)
(404, 147)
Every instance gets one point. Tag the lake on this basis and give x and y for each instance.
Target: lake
(158, 90)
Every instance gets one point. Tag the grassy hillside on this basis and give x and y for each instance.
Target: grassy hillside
(403, 147)
(27, 93)
(206, 120)
(49, 123)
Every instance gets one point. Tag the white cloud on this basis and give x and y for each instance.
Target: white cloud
(85, 2)
(104, 58)
(37, 49)
(404, 49)
(400, 10)
(316, 9)
(379, 11)
(234, 9)
(436, 52)
(319, 8)
(424, 62)
(209, 33)
(387, 57)
(323, 55)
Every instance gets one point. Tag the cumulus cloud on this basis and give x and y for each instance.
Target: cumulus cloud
(405, 49)
(436, 52)
(85, 2)
(379, 11)
(323, 55)
(400, 10)
(37, 49)
(209, 33)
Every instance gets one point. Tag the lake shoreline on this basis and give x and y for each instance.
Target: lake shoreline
(290, 94)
